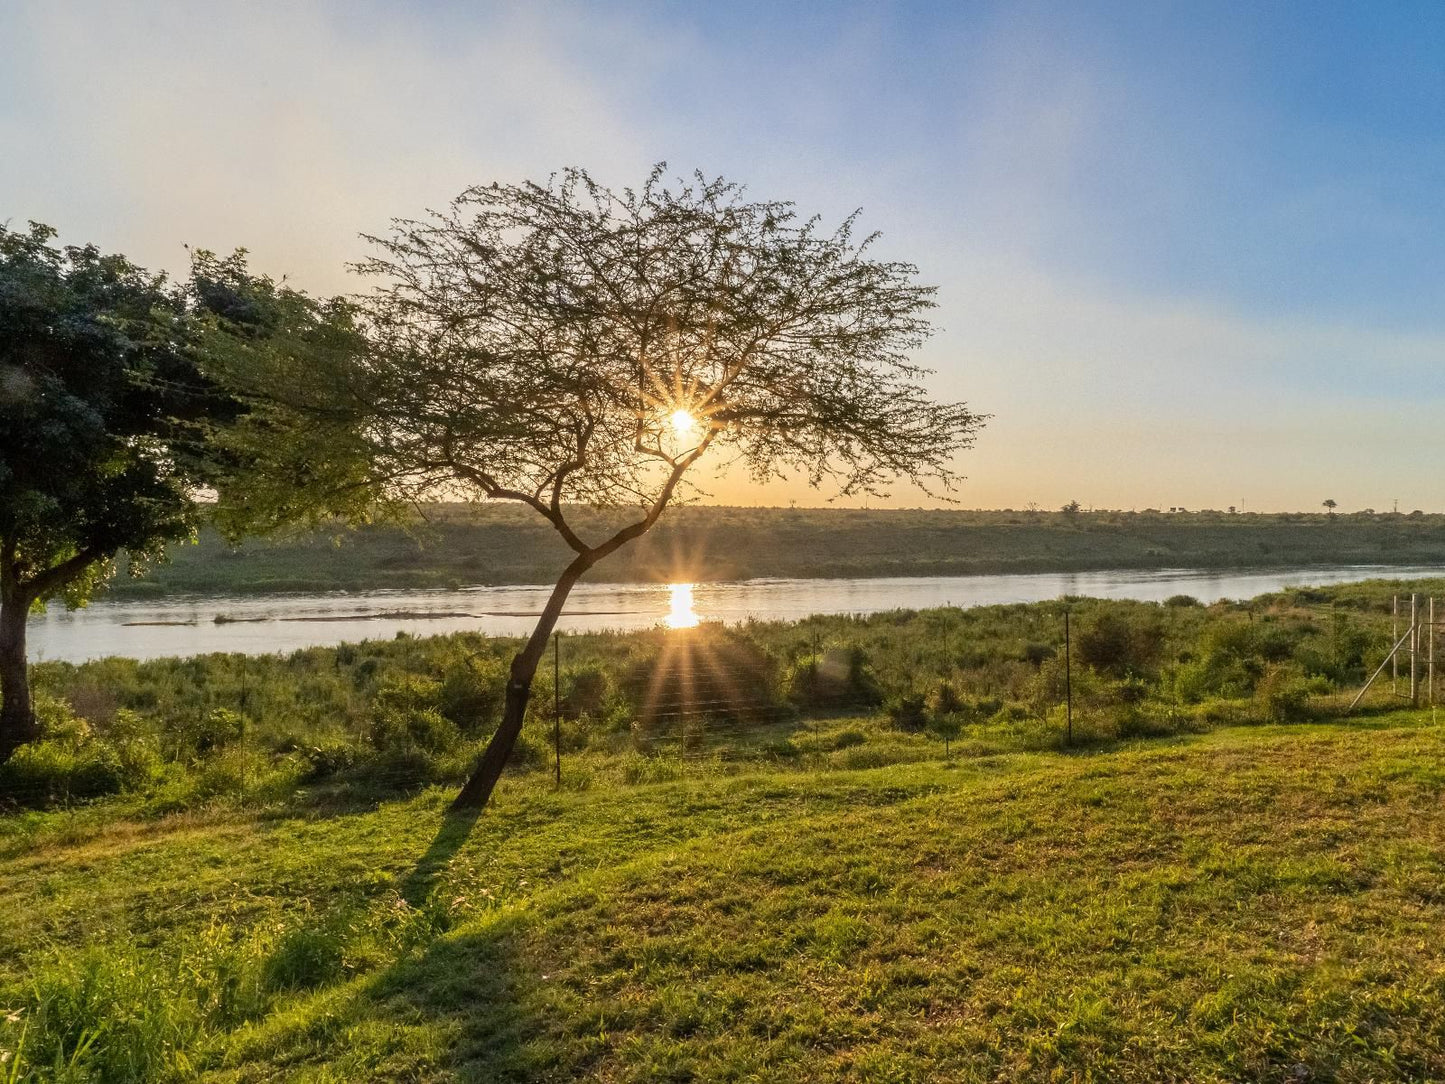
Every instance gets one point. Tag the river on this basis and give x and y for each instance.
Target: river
(187, 625)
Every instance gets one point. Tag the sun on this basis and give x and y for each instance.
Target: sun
(682, 422)
(681, 615)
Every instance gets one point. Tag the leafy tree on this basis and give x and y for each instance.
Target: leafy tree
(113, 431)
(1330, 506)
(564, 343)
(294, 454)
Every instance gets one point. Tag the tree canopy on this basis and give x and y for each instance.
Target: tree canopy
(564, 342)
(115, 431)
(535, 342)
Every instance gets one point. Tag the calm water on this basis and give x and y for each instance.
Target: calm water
(189, 626)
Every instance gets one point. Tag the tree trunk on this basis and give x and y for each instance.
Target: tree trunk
(478, 789)
(17, 720)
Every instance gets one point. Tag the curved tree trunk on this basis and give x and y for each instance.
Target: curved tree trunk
(17, 720)
(478, 789)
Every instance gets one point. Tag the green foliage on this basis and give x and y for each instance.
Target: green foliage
(1283, 695)
(116, 414)
(587, 690)
(101, 414)
(836, 678)
(407, 717)
(471, 693)
(212, 732)
(908, 712)
(74, 762)
(1119, 643)
(375, 718)
(295, 453)
(712, 670)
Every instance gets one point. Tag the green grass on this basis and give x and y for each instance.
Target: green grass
(1251, 904)
(458, 544)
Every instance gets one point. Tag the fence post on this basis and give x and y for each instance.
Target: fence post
(557, 705)
(1395, 635)
(1068, 684)
(1430, 659)
(1414, 650)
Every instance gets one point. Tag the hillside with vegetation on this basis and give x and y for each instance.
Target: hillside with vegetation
(455, 545)
(856, 849)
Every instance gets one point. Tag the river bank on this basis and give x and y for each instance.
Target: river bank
(455, 545)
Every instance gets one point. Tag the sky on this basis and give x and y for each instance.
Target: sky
(1188, 254)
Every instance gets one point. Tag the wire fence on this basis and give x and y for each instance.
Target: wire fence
(701, 706)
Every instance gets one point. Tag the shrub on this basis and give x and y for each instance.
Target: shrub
(908, 713)
(217, 729)
(398, 730)
(1114, 643)
(1135, 722)
(586, 692)
(326, 759)
(694, 735)
(58, 722)
(406, 716)
(945, 700)
(78, 768)
(644, 737)
(1037, 654)
(838, 678)
(471, 693)
(1283, 696)
(712, 671)
(1131, 690)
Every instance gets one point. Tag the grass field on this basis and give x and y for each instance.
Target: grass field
(1257, 903)
(456, 545)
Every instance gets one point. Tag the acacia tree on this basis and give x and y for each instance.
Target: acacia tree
(115, 433)
(566, 343)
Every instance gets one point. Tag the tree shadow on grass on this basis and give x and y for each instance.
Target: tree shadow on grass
(455, 830)
(486, 1007)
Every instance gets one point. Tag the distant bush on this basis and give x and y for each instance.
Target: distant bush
(836, 678)
(908, 713)
(470, 694)
(1118, 643)
(714, 672)
(211, 732)
(1180, 601)
(1037, 654)
(1283, 695)
(406, 715)
(586, 691)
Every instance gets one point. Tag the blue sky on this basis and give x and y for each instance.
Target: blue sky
(1187, 253)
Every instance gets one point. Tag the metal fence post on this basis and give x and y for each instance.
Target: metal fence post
(1414, 650)
(557, 704)
(1068, 684)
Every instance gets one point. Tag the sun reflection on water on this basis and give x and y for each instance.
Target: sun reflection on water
(680, 613)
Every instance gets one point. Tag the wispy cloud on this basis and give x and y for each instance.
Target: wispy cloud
(1176, 263)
